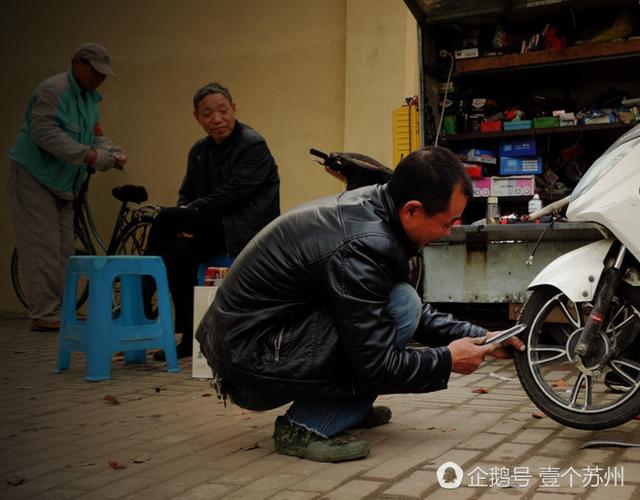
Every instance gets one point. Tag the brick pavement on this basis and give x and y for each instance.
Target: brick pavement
(169, 437)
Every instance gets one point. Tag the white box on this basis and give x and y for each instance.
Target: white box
(202, 298)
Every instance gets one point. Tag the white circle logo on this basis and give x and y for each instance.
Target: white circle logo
(449, 482)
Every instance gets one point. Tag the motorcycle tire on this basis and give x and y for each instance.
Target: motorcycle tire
(549, 375)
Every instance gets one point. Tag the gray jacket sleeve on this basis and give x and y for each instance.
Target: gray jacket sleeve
(102, 142)
(47, 131)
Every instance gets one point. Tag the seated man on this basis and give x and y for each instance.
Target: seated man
(229, 193)
(317, 310)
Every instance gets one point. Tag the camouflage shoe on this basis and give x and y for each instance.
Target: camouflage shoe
(378, 415)
(293, 439)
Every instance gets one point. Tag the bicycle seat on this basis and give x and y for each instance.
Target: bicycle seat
(129, 192)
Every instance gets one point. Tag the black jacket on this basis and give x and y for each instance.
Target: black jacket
(249, 195)
(303, 311)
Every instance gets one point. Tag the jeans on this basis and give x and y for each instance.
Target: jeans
(330, 416)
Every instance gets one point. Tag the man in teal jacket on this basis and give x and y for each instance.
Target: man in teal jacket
(60, 135)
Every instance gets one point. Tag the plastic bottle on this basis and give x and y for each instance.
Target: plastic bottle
(535, 204)
(493, 210)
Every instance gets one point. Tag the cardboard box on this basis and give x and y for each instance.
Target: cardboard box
(481, 156)
(467, 53)
(517, 125)
(202, 298)
(546, 122)
(518, 185)
(481, 187)
(519, 148)
(518, 166)
(474, 171)
(491, 126)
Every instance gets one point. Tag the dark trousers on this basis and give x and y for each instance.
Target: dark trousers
(182, 255)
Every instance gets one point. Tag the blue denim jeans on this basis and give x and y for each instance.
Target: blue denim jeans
(330, 416)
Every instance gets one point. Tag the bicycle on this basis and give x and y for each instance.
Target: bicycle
(129, 235)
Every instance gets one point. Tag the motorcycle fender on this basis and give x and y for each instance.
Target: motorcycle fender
(576, 273)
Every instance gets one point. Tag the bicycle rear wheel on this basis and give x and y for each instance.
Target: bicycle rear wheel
(16, 278)
(83, 247)
(134, 238)
(133, 242)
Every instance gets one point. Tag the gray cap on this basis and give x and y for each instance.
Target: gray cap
(97, 55)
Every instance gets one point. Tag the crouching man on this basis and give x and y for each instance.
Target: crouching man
(318, 310)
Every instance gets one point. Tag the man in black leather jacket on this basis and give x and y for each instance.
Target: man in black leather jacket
(229, 193)
(317, 310)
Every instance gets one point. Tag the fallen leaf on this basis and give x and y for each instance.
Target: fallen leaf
(537, 414)
(142, 459)
(16, 480)
(480, 390)
(112, 400)
(250, 447)
(116, 465)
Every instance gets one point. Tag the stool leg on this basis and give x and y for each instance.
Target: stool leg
(62, 362)
(69, 299)
(164, 313)
(99, 351)
(132, 312)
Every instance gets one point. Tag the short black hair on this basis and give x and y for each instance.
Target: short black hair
(210, 88)
(428, 175)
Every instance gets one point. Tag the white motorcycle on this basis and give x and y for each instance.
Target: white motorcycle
(582, 362)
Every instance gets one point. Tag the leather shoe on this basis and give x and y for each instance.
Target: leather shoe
(182, 350)
(39, 325)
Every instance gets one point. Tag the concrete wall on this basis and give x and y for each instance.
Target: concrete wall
(304, 73)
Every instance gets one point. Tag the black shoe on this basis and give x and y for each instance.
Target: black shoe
(378, 415)
(616, 382)
(293, 439)
(183, 350)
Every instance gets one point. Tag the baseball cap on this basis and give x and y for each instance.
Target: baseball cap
(97, 56)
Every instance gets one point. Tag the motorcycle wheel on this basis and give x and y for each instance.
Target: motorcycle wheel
(551, 378)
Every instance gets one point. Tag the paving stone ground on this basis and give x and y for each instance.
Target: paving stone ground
(169, 437)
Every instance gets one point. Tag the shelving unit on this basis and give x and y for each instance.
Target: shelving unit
(484, 264)
(480, 136)
(568, 77)
(605, 51)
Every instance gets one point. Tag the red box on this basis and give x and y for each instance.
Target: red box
(473, 171)
(492, 126)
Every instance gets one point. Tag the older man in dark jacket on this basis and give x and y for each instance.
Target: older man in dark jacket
(318, 310)
(229, 193)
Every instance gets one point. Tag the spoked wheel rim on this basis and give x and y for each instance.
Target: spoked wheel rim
(551, 352)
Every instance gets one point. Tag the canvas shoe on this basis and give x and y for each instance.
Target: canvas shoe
(293, 439)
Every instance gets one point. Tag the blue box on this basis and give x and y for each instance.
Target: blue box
(520, 166)
(519, 148)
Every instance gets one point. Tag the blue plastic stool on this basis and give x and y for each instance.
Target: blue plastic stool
(215, 261)
(100, 334)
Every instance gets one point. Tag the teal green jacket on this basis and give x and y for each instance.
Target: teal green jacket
(59, 129)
